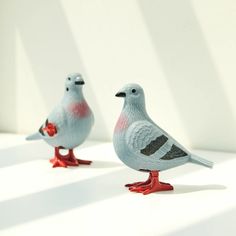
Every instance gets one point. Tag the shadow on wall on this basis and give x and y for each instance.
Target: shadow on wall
(8, 122)
(190, 71)
(51, 49)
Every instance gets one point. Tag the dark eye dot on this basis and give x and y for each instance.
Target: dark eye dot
(67, 89)
(68, 78)
(133, 90)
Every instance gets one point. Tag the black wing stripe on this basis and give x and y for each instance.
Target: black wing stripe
(154, 145)
(174, 152)
(41, 130)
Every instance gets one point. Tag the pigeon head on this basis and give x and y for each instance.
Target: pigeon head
(133, 95)
(74, 82)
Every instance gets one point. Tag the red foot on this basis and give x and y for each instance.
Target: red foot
(71, 160)
(67, 160)
(57, 161)
(150, 186)
(136, 184)
(84, 162)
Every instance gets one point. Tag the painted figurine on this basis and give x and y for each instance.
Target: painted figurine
(68, 125)
(144, 146)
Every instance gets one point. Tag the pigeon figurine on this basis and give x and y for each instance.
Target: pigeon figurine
(144, 146)
(68, 125)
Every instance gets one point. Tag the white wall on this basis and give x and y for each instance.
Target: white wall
(182, 52)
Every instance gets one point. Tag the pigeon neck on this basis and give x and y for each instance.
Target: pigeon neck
(74, 96)
(135, 111)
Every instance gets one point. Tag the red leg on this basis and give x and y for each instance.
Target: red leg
(71, 160)
(57, 160)
(151, 185)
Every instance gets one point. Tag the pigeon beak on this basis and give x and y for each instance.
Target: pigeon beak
(80, 82)
(121, 94)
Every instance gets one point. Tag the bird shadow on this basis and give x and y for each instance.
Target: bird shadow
(182, 188)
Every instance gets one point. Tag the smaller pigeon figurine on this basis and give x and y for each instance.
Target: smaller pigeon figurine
(68, 125)
(144, 146)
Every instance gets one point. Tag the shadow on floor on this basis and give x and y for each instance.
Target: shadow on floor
(55, 200)
(182, 189)
(221, 224)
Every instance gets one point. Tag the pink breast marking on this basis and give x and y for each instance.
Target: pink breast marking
(79, 109)
(122, 123)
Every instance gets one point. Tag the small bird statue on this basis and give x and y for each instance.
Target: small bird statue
(144, 146)
(68, 125)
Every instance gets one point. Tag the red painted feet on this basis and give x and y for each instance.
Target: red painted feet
(150, 186)
(67, 160)
(71, 160)
(58, 161)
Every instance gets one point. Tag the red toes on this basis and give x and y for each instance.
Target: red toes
(67, 160)
(133, 184)
(136, 184)
(150, 186)
(76, 162)
(71, 160)
(84, 162)
(58, 162)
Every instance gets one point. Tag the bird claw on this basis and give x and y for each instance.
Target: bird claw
(67, 160)
(76, 162)
(139, 189)
(137, 184)
(84, 162)
(133, 184)
(57, 162)
(157, 188)
(150, 186)
(71, 160)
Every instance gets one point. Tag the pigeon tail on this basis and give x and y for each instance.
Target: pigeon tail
(35, 136)
(201, 161)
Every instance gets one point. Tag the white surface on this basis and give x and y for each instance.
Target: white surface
(38, 200)
(182, 52)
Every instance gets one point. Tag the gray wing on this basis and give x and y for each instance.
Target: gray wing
(146, 139)
(58, 118)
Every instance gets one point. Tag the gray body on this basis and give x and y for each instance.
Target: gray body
(72, 127)
(141, 144)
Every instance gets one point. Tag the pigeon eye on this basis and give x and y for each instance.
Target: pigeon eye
(133, 90)
(68, 78)
(67, 89)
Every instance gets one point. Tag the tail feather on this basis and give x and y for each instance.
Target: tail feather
(201, 161)
(35, 136)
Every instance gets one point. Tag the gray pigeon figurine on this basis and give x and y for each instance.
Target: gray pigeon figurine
(68, 125)
(144, 146)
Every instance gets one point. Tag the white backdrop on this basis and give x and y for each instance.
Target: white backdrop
(182, 52)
